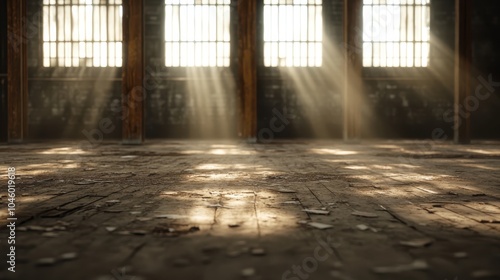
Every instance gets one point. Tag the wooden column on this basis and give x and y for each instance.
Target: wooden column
(463, 59)
(133, 92)
(17, 75)
(247, 68)
(353, 40)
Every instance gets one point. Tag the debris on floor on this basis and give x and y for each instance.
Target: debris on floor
(319, 225)
(364, 214)
(417, 243)
(415, 265)
(46, 261)
(316, 212)
(248, 272)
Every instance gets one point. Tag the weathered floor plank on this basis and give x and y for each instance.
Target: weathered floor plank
(202, 210)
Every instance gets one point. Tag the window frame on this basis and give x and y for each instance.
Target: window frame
(70, 69)
(262, 42)
(232, 42)
(405, 71)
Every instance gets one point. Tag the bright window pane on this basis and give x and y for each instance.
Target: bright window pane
(396, 33)
(197, 33)
(82, 33)
(293, 33)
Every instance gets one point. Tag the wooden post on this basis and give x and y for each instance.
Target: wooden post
(247, 68)
(133, 92)
(17, 74)
(463, 59)
(353, 42)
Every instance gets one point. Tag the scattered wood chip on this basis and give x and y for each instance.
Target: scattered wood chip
(89, 169)
(143, 219)
(363, 227)
(283, 190)
(37, 228)
(292, 202)
(460, 255)
(60, 228)
(68, 256)
(233, 253)
(248, 272)
(50, 234)
(135, 213)
(171, 216)
(317, 212)
(483, 274)
(364, 214)
(123, 232)
(129, 157)
(430, 210)
(417, 243)
(139, 232)
(302, 222)
(46, 261)
(110, 229)
(234, 225)
(170, 193)
(319, 225)
(214, 206)
(415, 265)
(258, 252)
(479, 194)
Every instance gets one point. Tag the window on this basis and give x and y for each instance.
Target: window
(293, 33)
(396, 33)
(197, 33)
(80, 33)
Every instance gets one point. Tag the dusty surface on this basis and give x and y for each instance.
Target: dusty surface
(198, 210)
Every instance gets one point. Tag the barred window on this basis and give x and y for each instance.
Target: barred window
(396, 33)
(293, 33)
(82, 33)
(197, 33)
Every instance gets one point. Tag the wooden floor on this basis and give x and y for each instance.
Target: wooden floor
(199, 210)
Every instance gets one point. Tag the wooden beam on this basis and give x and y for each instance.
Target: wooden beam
(133, 92)
(247, 68)
(17, 75)
(463, 59)
(353, 42)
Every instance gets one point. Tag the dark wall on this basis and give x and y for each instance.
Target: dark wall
(413, 106)
(69, 102)
(399, 104)
(3, 70)
(486, 29)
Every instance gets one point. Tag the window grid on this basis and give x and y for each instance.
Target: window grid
(293, 33)
(197, 33)
(80, 33)
(396, 33)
